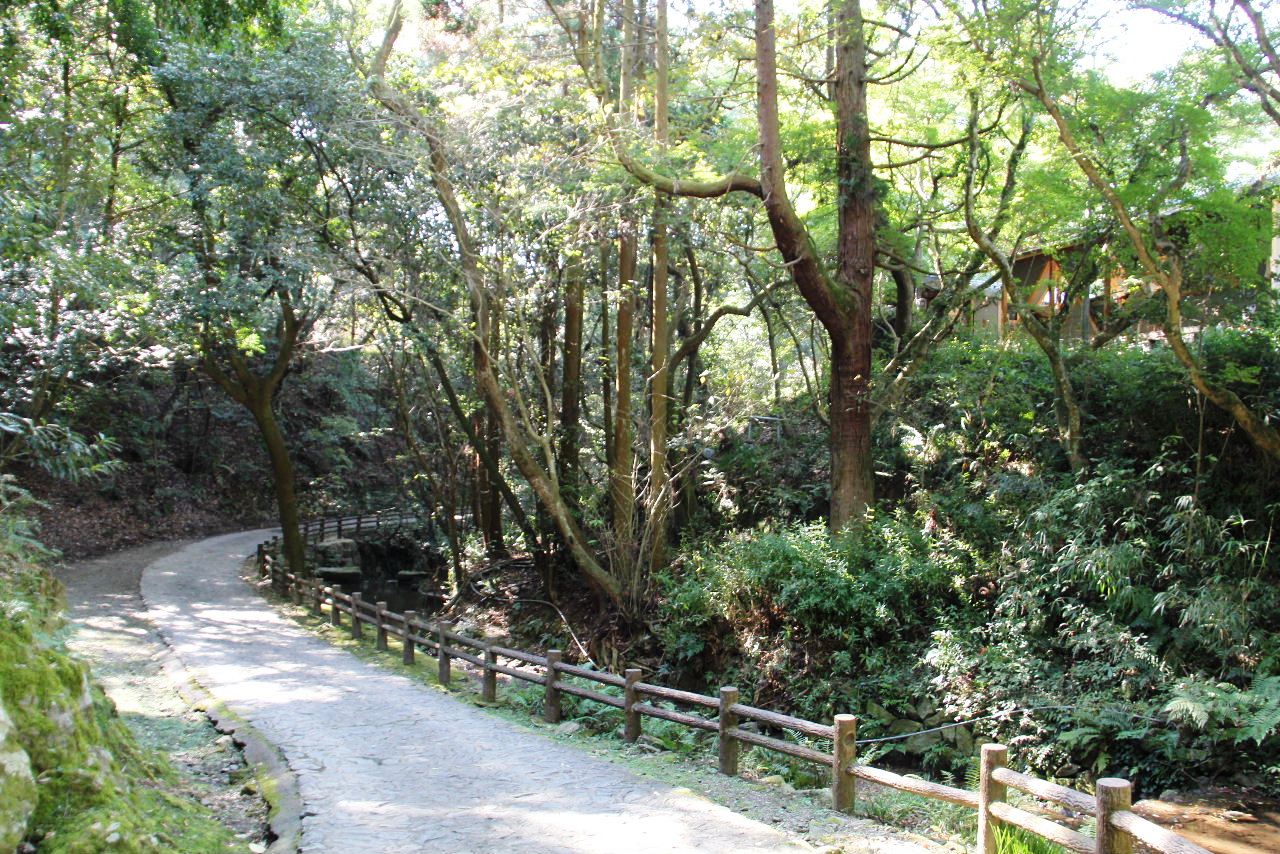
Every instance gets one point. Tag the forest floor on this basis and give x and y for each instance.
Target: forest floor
(386, 763)
(109, 628)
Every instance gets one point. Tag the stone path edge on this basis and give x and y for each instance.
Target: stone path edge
(277, 782)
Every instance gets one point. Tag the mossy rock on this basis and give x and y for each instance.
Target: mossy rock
(17, 786)
(902, 726)
(340, 574)
(879, 712)
(921, 742)
(87, 788)
(337, 552)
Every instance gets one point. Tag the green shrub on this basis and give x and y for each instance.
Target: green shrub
(815, 625)
(1121, 606)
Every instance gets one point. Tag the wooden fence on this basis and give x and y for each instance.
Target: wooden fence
(1117, 827)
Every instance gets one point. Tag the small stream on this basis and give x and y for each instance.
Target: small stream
(402, 595)
(405, 567)
(1226, 821)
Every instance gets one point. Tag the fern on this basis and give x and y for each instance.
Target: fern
(1264, 720)
(1185, 709)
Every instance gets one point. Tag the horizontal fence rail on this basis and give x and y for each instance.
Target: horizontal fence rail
(733, 722)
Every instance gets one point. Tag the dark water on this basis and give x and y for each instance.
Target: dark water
(402, 596)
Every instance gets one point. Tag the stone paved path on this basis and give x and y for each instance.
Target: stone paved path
(387, 765)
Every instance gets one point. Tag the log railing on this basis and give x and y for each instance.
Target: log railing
(1117, 827)
(315, 530)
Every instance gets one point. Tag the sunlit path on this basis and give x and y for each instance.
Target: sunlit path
(388, 765)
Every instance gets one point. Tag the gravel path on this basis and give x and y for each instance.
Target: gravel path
(110, 629)
(389, 765)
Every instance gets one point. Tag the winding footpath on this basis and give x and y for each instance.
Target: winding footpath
(386, 765)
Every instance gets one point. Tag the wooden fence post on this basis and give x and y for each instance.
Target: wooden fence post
(989, 791)
(381, 624)
(489, 685)
(551, 698)
(356, 632)
(409, 617)
(335, 616)
(359, 522)
(339, 523)
(844, 752)
(630, 696)
(728, 723)
(295, 588)
(443, 671)
(1113, 795)
(262, 560)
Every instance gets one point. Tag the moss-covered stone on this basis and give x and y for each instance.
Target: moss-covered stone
(89, 787)
(340, 574)
(17, 786)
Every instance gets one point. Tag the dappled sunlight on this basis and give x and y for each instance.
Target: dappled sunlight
(382, 757)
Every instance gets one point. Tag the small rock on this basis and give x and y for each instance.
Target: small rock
(569, 728)
(918, 744)
(773, 780)
(1237, 815)
(223, 740)
(257, 848)
(879, 712)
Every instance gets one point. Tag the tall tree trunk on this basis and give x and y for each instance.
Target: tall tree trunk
(571, 387)
(489, 522)
(622, 483)
(622, 486)
(659, 504)
(606, 357)
(904, 303)
(840, 302)
(853, 488)
(282, 476)
(688, 465)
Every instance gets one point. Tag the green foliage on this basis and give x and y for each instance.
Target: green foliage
(1015, 840)
(814, 625)
(57, 449)
(1240, 714)
(1111, 589)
